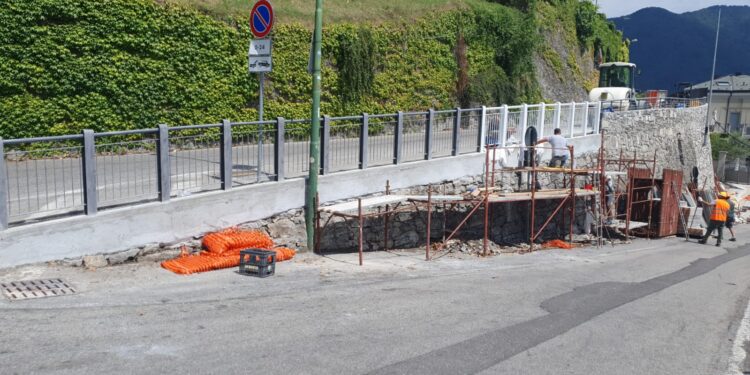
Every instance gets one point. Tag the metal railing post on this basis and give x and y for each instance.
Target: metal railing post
(558, 113)
(363, 141)
(325, 146)
(89, 172)
(163, 166)
(504, 134)
(278, 150)
(542, 115)
(586, 119)
(483, 130)
(598, 125)
(4, 209)
(572, 118)
(428, 134)
(524, 122)
(398, 137)
(226, 155)
(456, 131)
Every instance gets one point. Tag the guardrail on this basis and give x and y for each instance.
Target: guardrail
(44, 178)
(651, 103)
(507, 125)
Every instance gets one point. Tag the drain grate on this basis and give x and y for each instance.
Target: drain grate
(28, 289)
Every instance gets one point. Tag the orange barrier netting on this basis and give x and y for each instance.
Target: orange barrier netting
(223, 250)
(560, 244)
(232, 239)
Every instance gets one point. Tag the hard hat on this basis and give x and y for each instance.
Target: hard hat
(723, 195)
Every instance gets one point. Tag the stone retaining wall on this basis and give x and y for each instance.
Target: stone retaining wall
(675, 135)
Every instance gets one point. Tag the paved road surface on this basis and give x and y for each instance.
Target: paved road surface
(652, 307)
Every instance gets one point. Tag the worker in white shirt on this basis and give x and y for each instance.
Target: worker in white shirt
(560, 148)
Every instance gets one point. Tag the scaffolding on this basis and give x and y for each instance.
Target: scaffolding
(633, 169)
(630, 173)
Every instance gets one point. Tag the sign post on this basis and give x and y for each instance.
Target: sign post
(259, 54)
(260, 61)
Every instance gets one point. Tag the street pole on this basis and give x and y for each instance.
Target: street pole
(261, 78)
(711, 87)
(312, 182)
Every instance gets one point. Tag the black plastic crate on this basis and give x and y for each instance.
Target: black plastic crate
(256, 262)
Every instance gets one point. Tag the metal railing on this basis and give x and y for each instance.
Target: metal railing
(43, 178)
(508, 125)
(651, 103)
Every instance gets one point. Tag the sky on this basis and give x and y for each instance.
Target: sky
(616, 8)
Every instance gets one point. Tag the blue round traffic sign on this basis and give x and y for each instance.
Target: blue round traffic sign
(261, 19)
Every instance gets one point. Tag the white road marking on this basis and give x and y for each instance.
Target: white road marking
(738, 350)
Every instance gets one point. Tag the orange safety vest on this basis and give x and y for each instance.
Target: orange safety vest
(721, 209)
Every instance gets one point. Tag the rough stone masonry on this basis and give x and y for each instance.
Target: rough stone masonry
(674, 134)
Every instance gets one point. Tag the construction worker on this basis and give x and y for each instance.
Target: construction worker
(718, 218)
(560, 148)
(610, 200)
(730, 220)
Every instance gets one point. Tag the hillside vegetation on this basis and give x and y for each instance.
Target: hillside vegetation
(335, 11)
(68, 65)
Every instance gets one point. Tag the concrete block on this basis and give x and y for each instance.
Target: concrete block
(122, 256)
(94, 261)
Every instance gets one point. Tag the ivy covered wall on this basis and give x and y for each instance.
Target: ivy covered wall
(68, 65)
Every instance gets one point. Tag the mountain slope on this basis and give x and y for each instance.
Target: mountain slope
(674, 48)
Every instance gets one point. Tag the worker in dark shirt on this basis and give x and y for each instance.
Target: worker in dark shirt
(730, 220)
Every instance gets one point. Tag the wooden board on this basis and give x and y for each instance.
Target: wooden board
(550, 170)
(668, 217)
(367, 202)
(436, 198)
(542, 195)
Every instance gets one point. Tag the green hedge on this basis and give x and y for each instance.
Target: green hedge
(68, 65)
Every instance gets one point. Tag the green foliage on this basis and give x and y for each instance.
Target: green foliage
(512, 37)
(355, 60)
(68, 65)
(586, 17)
(735, 146)
(524, 5)
(593, 30)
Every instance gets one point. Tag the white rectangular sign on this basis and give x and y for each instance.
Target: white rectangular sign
(260, 64)
(260, 47)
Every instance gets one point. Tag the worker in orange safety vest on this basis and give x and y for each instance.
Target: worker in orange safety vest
(718, 218)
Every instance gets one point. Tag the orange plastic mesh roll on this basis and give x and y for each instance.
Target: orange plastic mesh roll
(284, 253)
(200, 263)
(235, 240)
(560, 244)
(223, 249)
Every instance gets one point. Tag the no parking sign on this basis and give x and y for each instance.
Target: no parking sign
(261, 19)
(259, 54)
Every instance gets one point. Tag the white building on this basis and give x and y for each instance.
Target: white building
(730, 106)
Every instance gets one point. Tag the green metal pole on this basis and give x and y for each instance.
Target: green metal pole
(312, 183)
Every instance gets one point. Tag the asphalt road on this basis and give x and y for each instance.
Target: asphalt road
(652, 307)
(45, 187)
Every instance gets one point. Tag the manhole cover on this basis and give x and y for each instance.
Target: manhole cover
(17, 290)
